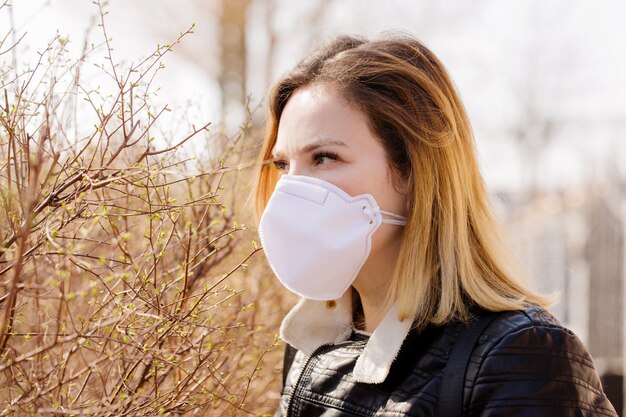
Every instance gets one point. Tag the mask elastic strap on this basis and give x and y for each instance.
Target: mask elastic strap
(397, 220)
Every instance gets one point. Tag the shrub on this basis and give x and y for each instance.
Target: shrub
(125, 280)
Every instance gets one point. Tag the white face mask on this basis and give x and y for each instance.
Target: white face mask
(316, 237)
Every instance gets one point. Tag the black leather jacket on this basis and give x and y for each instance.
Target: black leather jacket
(525, 364)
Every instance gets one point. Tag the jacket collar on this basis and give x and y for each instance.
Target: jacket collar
(311, 324)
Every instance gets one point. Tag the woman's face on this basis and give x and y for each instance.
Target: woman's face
(320, 135)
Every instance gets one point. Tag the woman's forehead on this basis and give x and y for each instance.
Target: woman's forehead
(319, 116)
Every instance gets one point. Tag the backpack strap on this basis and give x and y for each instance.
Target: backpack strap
(290, 353)
(452, 384)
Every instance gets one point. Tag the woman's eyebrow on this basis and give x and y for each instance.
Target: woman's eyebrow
(308, 148)
(322, 142)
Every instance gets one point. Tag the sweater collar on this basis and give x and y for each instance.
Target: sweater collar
(311, 324)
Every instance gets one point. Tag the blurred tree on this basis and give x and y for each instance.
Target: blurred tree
(536, 122)
(233, 58)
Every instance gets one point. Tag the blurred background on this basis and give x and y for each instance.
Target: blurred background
(543, 83)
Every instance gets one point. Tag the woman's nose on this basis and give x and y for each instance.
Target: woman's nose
(298, 169)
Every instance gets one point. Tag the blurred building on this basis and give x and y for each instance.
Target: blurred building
(572, 242)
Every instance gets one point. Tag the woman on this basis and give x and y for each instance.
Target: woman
(374, 211)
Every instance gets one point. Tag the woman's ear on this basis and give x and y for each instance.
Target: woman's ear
(401, 183)
(406, 188)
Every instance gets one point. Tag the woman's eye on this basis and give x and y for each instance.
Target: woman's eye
(325, 158)
(280, 165)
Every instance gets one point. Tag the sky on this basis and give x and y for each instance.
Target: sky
(514, 62)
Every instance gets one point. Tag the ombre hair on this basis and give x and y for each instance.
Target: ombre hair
(452, 257)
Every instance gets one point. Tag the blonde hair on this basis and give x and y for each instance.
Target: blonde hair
(452, 258)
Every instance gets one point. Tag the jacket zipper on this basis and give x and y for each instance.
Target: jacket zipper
(304, 366)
